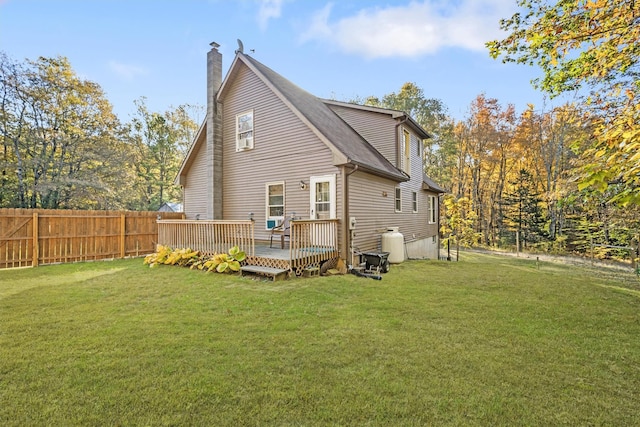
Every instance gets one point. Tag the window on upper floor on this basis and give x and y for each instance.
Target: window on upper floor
(398, 199)
(406, 151)
(433, 209)
(274, 204)
(244, 131)
(414, 202)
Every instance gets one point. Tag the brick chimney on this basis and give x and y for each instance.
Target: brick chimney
(214, 134)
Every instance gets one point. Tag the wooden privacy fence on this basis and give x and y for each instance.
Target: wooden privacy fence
(207, 236)
(30, 237)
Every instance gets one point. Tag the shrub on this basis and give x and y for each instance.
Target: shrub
(221, 263)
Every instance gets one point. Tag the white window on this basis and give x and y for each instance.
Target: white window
(274, 204)
(433, 209)
(244, 131)
(406, 151)
(414, 201)
(398, 199)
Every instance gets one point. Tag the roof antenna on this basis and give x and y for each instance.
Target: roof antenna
(240, 47)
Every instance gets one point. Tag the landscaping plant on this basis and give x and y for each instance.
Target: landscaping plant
(186, 257)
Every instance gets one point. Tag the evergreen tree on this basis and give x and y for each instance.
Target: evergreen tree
(521, 209)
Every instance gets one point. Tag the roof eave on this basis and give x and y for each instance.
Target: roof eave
(398, 177)
(429, 185)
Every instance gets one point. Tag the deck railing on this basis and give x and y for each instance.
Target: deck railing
(207, 236)
(313, 241)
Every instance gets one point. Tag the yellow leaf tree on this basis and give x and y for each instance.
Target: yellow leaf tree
(589, 46)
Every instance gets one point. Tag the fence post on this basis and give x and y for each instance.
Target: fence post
(36, 238)
(122, 235)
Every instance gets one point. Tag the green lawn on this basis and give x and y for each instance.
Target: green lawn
(486, 341)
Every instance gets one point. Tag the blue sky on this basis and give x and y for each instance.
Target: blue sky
(339, 49)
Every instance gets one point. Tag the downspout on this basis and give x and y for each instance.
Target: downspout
(345, 252)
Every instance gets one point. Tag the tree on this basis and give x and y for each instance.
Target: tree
(432, 115)
(60, 138)
(543, 139)
(485, 141)
(160, 142)
(184, 121)
(459, 222)
(522, 211)
(591, 45)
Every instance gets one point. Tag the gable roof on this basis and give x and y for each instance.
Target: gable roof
(396, 114)
(347, 145)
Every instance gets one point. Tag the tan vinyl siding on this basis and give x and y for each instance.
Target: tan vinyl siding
(195, 188)
(285, 149)
(378, 129)
(375, 212)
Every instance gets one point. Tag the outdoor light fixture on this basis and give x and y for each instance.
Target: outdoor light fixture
(303, 185)
(251, 216)
(197, 217)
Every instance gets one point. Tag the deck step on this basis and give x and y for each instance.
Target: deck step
(274, 273)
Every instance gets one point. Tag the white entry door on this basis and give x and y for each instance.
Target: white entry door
(323, 197)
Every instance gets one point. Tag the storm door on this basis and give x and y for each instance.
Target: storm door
(323, 197)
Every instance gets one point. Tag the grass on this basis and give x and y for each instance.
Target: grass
(486, 341)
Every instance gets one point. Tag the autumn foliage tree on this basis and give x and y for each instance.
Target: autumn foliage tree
(589, 45)
(64, 148)
(60, 138)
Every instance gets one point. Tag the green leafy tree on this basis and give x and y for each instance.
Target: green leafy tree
(589, 45)
(432, 115)
(160, 142)
(60, 138)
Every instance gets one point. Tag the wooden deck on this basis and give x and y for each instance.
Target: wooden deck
(296, 261)
(312, 242)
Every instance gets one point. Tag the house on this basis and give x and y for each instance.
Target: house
(269, 150)
(170, 207)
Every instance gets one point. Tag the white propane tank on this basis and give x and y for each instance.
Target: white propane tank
(393, 242)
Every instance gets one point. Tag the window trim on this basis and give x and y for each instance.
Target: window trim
(432, 217)
(414, 201)
(406, 151)
(397, 199)
(267, 206)
(248, 141)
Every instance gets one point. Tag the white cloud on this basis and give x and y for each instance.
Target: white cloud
(127, 71)
(415, 29)
(269, 9)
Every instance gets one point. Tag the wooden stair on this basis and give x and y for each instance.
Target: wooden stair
(274, 273)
